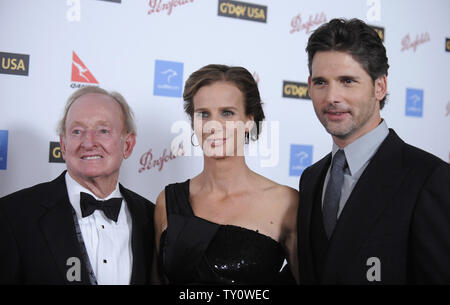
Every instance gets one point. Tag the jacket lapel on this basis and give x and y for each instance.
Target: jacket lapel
(310, 184)
(59, 230)
(141, 264)
(373, 192)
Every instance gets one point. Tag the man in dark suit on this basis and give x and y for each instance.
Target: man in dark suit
(83, 227)
(375, 210)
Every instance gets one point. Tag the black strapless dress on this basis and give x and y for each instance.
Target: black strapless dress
(194, 250)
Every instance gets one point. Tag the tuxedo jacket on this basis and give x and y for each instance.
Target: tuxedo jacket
(37, 236)
(394, 228)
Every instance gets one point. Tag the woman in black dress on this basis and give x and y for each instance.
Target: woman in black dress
(227, 225)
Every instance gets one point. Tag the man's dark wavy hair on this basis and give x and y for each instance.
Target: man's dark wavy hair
(356, 38)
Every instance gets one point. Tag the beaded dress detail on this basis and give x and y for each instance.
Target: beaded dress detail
(194, 250)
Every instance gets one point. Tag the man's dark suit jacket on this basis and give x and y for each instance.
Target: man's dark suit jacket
(37, 236)
(398, 212)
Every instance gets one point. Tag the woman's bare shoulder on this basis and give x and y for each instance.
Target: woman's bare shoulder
(282, 193)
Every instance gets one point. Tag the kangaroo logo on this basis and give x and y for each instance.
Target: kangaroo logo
(170, 73)
(168, 80)
(415, 98)
(301, 156)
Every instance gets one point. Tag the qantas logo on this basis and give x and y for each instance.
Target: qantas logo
(80, 73)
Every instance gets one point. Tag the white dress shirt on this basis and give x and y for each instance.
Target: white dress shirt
(358, 155)
(108, 243)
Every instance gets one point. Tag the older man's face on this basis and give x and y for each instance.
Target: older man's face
(95, 143)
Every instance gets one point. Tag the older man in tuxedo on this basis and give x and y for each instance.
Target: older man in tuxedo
(83, 227)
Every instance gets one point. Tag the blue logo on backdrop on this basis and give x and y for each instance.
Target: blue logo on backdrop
(301, 158)
(414, 102)
(168, 78)
(3, 148)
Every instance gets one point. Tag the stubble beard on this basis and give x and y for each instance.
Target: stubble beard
(345, 130)
(339, 131)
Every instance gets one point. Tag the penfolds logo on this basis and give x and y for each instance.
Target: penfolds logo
(408, 44)
(147, 162)
(298, 24)
(157, 6)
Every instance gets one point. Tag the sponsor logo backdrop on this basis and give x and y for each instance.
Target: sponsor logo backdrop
(3, 149)
(147, 49)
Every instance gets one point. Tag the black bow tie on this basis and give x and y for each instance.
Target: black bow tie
(110, 207)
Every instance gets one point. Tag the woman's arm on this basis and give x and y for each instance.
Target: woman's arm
(290, 228)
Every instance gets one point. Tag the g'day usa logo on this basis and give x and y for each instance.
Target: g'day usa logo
(16, 64)
(414, 102)
(168, 78)
(242, 10)
(301, 158)
(55, 154)
(379, 30)
(295, 90)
